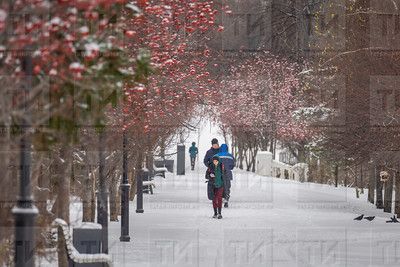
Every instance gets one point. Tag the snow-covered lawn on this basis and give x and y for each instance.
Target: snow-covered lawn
(270, 222)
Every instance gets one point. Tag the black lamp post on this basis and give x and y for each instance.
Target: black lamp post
(25, 210)
(102, 196)
(124, 192)
(139, 191)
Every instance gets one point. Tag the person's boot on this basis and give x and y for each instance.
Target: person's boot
(215, 213)
(219, 213)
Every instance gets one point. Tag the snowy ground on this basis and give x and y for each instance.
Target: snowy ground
(271, 222)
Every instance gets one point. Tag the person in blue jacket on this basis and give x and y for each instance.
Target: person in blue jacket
(228, 161)
(211, 152)
(193, 151)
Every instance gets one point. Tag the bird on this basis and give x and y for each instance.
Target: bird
(393, 220)
(369, 218)
(359, 218)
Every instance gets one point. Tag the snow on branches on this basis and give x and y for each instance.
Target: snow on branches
(171, 32)
(94, 52)
(78, 55)
(260, 95)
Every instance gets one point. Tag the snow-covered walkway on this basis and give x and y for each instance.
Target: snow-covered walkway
(271, 222)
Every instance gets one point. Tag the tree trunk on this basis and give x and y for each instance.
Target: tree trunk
(387, 205)
(251, 155)
(63, 200)
(233, 147)
(87, 199)
(397, 194)
(42, 195)
(132, 181)
(138, 166)
(356, 182)
(253, 160)
(264, 144)
(114, 197)
(246, 156)
(271, 146)
(224, 134)
(240, 148)
(371, 184)
(379, 197)
(149, 161)
(61, 248)
(336, 175)
(362, 179)
(162, 148)
(93, 197)
(301, 155)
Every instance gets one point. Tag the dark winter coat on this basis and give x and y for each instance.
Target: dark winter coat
(211, 181)
(227, 159)
(193, 151)
(208, 157)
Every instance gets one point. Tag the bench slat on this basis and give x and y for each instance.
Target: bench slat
(74, 254)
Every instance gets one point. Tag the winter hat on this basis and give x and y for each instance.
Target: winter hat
(214, 141)
(194, 143)
(215, 158)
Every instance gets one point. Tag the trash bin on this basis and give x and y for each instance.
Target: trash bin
(180, 160)
(87, 239)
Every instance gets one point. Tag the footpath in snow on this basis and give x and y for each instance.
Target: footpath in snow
(270, 222)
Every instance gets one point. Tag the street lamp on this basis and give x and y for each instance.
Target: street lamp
(139, 191)
(25, 210)
(124, 192)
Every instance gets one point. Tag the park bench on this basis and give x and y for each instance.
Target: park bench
(149, 185)
(147, 181)
(167, 163)
(159, 171)
(73, 253)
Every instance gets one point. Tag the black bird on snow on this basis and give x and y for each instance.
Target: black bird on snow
(369, 218)
(393, 220)
(359, 218)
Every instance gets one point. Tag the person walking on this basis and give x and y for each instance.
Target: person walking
(211, 152)
(216, 175)
(228, 161)
(193, 151)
